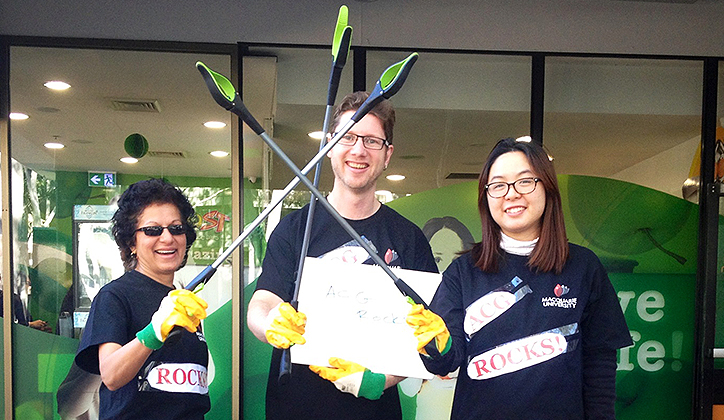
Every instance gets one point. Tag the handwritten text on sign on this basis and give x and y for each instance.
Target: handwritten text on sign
(356, 312)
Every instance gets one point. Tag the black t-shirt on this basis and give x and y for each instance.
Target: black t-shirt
(173, 383)
(580, 304)
(397, 241)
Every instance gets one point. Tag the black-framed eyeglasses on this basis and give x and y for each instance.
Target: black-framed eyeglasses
(158, 230)
(521, 186)
(369, 142)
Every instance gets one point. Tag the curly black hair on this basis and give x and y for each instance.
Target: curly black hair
(134, 201)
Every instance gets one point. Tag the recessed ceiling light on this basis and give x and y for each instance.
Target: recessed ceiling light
(219, 153)
(18, 116)
(129, 159)
(56, 85)
(316, 135)
(214, 124)
(395, 177)
(53, 145)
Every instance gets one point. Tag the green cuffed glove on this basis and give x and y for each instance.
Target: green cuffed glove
(352, 378)
(285, 326)
(180, 307)
(433, 337)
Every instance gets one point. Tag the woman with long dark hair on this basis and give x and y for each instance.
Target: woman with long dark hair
(531, 320)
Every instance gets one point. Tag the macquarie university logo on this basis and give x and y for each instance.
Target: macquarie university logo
(560, 290)
(558, 301)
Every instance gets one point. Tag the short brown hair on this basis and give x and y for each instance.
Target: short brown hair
(383, 110)
(551, 251)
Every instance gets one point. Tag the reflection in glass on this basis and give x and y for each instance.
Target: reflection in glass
(629, 119)
(67, 259)
(95, 254)
(451, 111)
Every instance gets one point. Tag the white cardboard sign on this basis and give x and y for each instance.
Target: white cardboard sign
(355, 312)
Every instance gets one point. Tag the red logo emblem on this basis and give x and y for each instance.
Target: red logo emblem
(389, 255)
(560, 290)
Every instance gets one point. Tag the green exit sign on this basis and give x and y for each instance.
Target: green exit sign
(101, 179)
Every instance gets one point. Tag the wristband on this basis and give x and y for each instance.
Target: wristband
(147, 337)
(373, 384)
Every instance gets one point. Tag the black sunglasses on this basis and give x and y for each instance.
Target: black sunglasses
(158, 230)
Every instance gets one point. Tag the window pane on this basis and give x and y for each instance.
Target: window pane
(450, 112)
(285, 89)
(63, 198)
(623, 118)
(623, 134)
(437, 122)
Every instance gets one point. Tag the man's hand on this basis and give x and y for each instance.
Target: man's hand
(180, 307)
(352, 378)
(433, 337)
(285, 326)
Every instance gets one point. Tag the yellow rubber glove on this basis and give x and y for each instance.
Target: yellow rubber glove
(352, 378)
(180, 307)
(428, 326)
(285, 326)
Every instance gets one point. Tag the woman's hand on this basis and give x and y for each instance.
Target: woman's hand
(433, 337)
(181, 308)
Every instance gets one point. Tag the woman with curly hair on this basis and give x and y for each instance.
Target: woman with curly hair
(131, 317)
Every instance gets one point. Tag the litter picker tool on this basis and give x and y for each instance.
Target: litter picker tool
(223, 92)
(340, 51)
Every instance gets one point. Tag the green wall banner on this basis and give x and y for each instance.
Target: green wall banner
(654, 376)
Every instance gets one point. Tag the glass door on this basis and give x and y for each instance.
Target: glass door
(73, 153)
